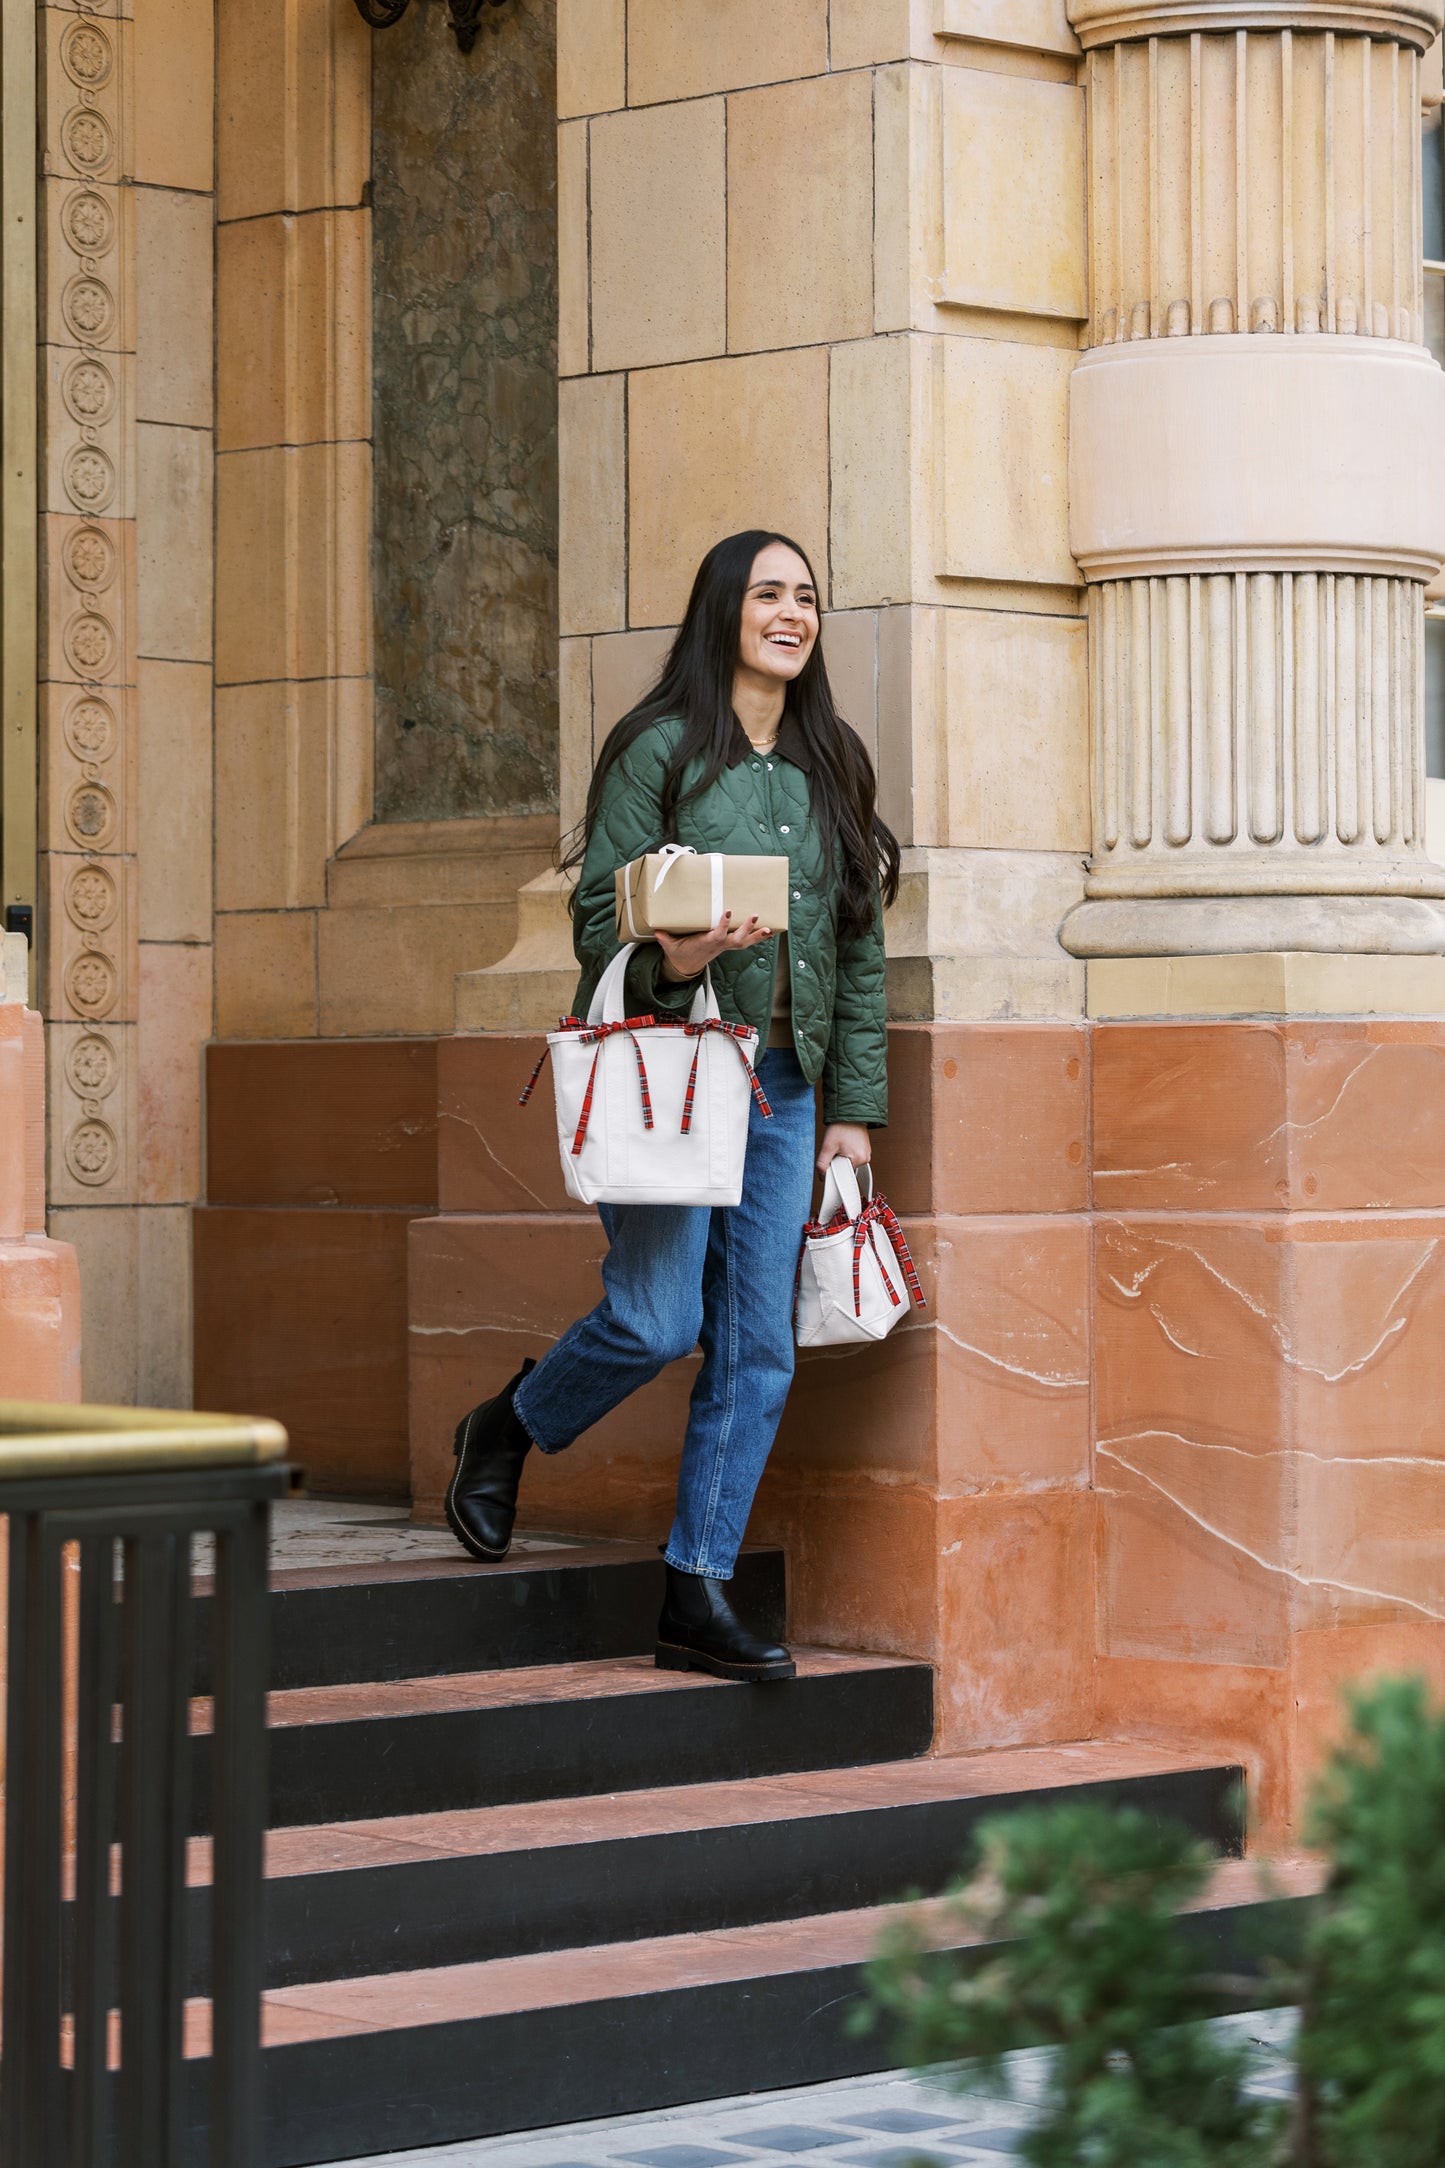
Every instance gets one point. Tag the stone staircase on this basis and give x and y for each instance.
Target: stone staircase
(518, 1876)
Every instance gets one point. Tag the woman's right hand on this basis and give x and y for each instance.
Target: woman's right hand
(687, 955)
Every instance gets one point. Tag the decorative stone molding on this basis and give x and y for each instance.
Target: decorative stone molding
(1257, 925)
(1410, 23)
(1246, 454)
(88, 670)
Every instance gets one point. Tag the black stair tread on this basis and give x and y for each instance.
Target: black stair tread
(451, 1692)
(608, 1724)
(345, 1621)
(339, 1847)
(391, 2002)
(399, 1891)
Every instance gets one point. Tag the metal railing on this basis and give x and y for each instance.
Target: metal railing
(108, 1634)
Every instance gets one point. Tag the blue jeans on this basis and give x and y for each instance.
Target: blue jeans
(677, 1275)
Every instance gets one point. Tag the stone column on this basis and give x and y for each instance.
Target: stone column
(1257, 488)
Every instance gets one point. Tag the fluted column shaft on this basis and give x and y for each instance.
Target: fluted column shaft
(1257, 480)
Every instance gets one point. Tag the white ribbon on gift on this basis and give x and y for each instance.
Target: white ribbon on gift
(670, 854)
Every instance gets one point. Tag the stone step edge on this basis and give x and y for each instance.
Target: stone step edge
(608, 1972)
(1000, 1773)
(476, 1693)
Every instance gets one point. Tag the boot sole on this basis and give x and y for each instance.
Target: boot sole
(468, 1543)
(669, 1657)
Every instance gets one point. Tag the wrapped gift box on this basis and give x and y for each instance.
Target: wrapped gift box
(676, 890)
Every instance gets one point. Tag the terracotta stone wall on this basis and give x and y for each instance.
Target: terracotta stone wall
(464, 367)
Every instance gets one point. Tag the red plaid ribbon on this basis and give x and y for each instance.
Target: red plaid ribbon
(735, 1032)
(878, 1212)
(596, 1035)
(564, 1023)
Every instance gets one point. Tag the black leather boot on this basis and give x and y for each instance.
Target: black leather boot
(491, 1446)
(699, 1631)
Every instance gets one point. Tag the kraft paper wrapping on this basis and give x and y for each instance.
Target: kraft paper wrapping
(674, 891)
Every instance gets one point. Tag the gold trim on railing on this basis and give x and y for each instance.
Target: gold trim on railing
(49, 1438)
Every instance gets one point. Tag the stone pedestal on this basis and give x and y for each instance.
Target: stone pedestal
(1270, 1444)
(1165, 1456)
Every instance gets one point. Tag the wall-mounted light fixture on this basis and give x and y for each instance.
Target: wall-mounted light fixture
(465, 16)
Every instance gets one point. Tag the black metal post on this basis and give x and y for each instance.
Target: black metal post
(94, 2075)
(93, 1962)
(238, 1836)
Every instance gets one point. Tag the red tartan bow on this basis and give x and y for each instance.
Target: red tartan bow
(878, 1212)
(735, 1032)
(594, 1035)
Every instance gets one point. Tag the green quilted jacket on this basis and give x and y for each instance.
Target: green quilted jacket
(758, 808)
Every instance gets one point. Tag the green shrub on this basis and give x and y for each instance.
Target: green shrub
(1372, 2039)
(1079, 1904)
(1073, 1914)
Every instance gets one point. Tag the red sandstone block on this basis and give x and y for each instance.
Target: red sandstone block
(493, 1154)
(1366, 1124)
(39, 1320)
(1189, 1115)
(1016, 1633)
(986, 1118)
(301, 1315)
(1328, 1115)
(322, 1122)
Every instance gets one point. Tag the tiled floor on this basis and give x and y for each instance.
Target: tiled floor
(878, 2122)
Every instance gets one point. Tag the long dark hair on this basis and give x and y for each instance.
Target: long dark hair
(696, 686)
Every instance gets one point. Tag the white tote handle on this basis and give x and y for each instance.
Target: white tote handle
(607, 1005)
(841, 1192)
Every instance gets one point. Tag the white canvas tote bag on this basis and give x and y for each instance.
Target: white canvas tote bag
(847, 1290)
(649, 1112)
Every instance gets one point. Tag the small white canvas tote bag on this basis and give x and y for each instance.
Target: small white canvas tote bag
(649, 1112)
(847, 1289)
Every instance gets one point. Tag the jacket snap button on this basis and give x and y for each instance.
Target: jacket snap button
(784, 830)
(797, 895)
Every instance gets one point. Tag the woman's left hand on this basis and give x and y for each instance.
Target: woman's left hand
(850, 1140)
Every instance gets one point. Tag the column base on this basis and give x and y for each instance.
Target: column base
(1262, 983)
(974, 937)
(1235, 925)
(534, 982)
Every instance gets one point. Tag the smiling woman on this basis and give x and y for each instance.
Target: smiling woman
(737, 749)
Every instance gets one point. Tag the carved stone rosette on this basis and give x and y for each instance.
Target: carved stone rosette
(1257, 479)
(88, 670)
